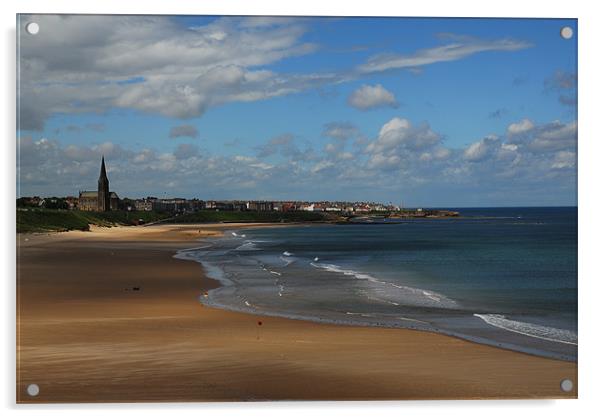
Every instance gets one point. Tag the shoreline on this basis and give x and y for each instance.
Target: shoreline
(110, 339)
(181, 254)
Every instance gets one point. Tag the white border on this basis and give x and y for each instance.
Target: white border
(590, 32)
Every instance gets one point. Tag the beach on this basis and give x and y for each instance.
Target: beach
(111, 316)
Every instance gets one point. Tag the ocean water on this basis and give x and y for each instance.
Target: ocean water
(500, 276)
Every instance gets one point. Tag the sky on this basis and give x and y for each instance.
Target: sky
(412, 111)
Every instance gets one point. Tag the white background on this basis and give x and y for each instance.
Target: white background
(590, 119)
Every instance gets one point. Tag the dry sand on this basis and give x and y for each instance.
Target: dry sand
(85, 336)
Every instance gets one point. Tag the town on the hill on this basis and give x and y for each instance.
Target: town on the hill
(104, 200)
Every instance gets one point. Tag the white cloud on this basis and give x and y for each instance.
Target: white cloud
(144, 156)
(520, 127)
(384, 162)
(330, 148)
(92, 63)
(263, 166)
(529, 167)
(371, 97)
(555, 136)
(321, 166)
(151, 63)
(479, 150)
(79, 153)
(48, 168)
(509, 152)
(439, 153)
(564, 159)
(402, 145)
(336, 148)
(399, 132)
(460, 48)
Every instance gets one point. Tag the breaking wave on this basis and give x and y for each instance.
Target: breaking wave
(392, 293)
(532, 330)
(247, 246)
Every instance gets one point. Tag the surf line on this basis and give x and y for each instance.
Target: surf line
(488, 321)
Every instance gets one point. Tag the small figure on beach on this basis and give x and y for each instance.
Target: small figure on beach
(259, 324)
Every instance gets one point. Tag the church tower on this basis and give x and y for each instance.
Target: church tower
(104, 197)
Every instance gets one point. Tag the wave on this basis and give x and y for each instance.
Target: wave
(247, 246)
(191, 253)
(365, 315)
(402, 318)
(287, 261)
(532, 330)
(526, 223)
(286, 253)
(392, 293)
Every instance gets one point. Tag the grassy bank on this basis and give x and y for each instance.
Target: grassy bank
(249, 216)
(47, 220)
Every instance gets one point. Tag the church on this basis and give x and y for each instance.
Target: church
(102, 200)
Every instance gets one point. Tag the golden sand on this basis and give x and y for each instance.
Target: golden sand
(84, 335)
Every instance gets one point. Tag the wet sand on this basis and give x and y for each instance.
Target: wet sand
(85, 335)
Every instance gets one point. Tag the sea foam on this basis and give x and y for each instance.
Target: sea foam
(247, 246)
(393, 293)
(532, 330)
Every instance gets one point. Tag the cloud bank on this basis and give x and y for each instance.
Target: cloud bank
(153, 64)
(404, 158)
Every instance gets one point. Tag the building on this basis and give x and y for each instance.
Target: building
(224, 206)
(288, 206)
(88, 201)
(143, 205)
(260, 206)
(173, 205)
(101, 200)
(104, 197)
(308, 208)
(71, 202)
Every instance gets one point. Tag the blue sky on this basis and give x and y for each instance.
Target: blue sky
(428, 112)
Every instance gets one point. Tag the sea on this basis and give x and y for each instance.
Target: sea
(505, 277)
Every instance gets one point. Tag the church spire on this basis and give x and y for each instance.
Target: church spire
(104, 196)
(103, 170)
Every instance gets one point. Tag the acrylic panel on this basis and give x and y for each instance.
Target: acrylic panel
(230, 208)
